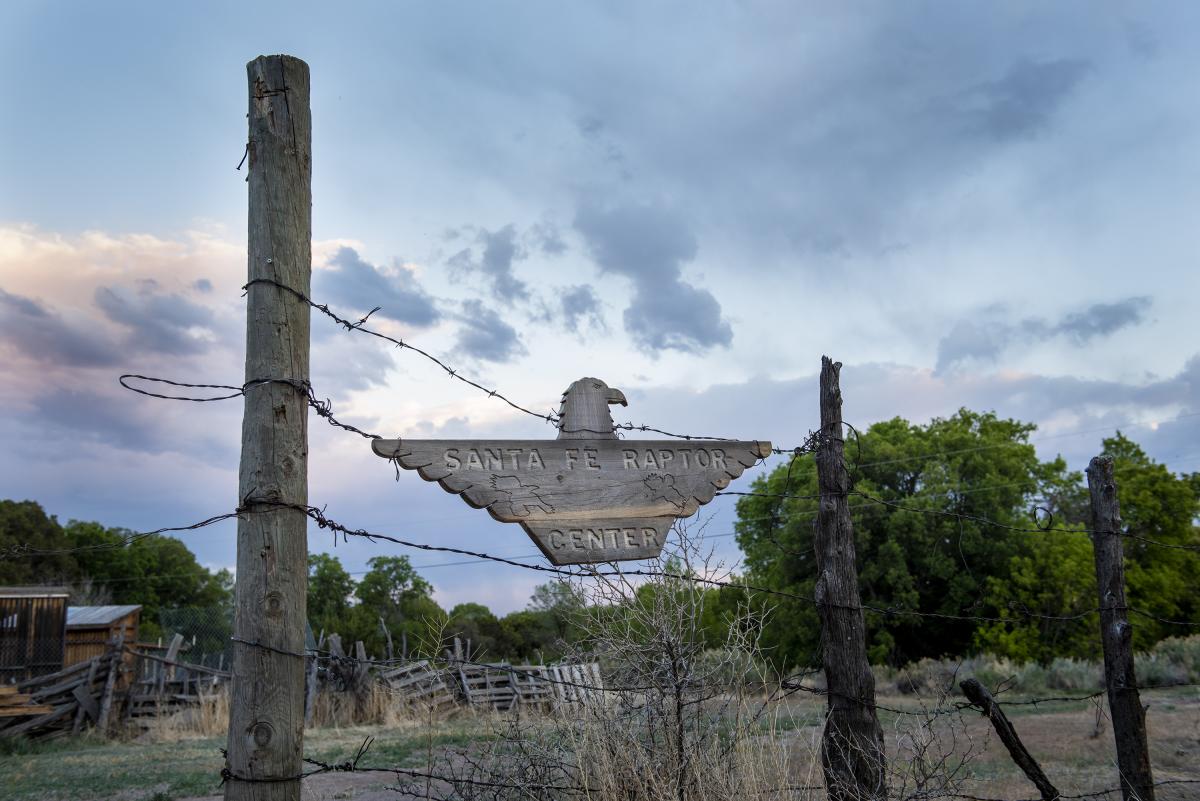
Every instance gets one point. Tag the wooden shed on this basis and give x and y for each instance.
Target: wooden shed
(91, 628)
(32, 631)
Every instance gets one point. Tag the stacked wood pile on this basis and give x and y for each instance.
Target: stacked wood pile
(63, 702)
(121, 685)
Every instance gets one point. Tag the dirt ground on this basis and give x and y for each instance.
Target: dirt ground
(1063, 737)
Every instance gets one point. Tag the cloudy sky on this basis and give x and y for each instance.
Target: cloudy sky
(991, 206)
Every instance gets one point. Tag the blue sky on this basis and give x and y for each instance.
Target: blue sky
(984, 206)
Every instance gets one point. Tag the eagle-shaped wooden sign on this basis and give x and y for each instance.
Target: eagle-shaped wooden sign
(585, 496)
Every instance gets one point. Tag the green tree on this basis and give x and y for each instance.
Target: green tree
(560, 603)
(330, 589)
(157, 572)
(32, 543)
(392, 591)
(480, 631)
(923, 497)
(1158, 506)
(917, 545)
(531, 635)
(1054, 578)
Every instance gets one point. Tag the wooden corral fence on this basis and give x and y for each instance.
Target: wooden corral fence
(134, 686)
(443, 689)
(122, 685)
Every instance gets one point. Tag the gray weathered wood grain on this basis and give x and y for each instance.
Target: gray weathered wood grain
(1116, 635)
(581, 500)
(852, 753)
(266, 721)
(977, 694)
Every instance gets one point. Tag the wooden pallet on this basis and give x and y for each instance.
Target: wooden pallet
(420, 684)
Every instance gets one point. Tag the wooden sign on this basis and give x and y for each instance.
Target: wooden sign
(586, 496)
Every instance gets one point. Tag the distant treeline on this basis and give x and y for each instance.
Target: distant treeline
(101, 566)
(930, 546)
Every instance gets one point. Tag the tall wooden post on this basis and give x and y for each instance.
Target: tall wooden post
(1124, 703)
(266, 720)
(852, 748)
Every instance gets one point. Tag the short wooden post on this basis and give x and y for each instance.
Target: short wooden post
(266, 720)
(977, 694)
(388, 635)
(115, 657)
(310, 689)
(87, 704)
(1116, 635)
(852, 747)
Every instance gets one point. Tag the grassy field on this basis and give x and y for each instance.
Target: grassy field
(171, 768)
(1060, 735)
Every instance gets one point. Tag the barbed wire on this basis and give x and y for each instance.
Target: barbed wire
(322, 521)
(550, 417)
(323, 408)
(1092, 794)
(360, 325)
(1039, 529)
(20, 549)
(352, 765)
(789, 684)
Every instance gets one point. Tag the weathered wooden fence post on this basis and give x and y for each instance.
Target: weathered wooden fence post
(977, 694)
(852, 748)
(266, 720)
(1116, 635)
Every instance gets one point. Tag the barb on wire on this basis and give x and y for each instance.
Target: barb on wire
(352, 765)
(360, 325)
(256, 505)
(324, 522)
(323, 408)
(550, 417)
(1076, 797)
(21, 549)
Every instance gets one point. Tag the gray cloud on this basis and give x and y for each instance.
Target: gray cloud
(1023, 102)
(98, 418)
(157, 322)
(874, 392)
(361, 286)
(985, 337)
(500, 251)
(484, 336)
(546, 237)
(202, 285)
(40, 334)
(580, 305)
(648, 245)
(342, 363)
(1102, 319)
(131, 423)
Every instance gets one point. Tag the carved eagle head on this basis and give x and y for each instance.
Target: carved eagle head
(584, 411)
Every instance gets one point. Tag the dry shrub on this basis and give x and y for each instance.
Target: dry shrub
(680, 718)
(209, 718)
(374, 705)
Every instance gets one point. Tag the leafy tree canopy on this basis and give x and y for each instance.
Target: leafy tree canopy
(919, 548)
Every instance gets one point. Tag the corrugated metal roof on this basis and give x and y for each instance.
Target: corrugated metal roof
(40, 592)
(97, 615)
